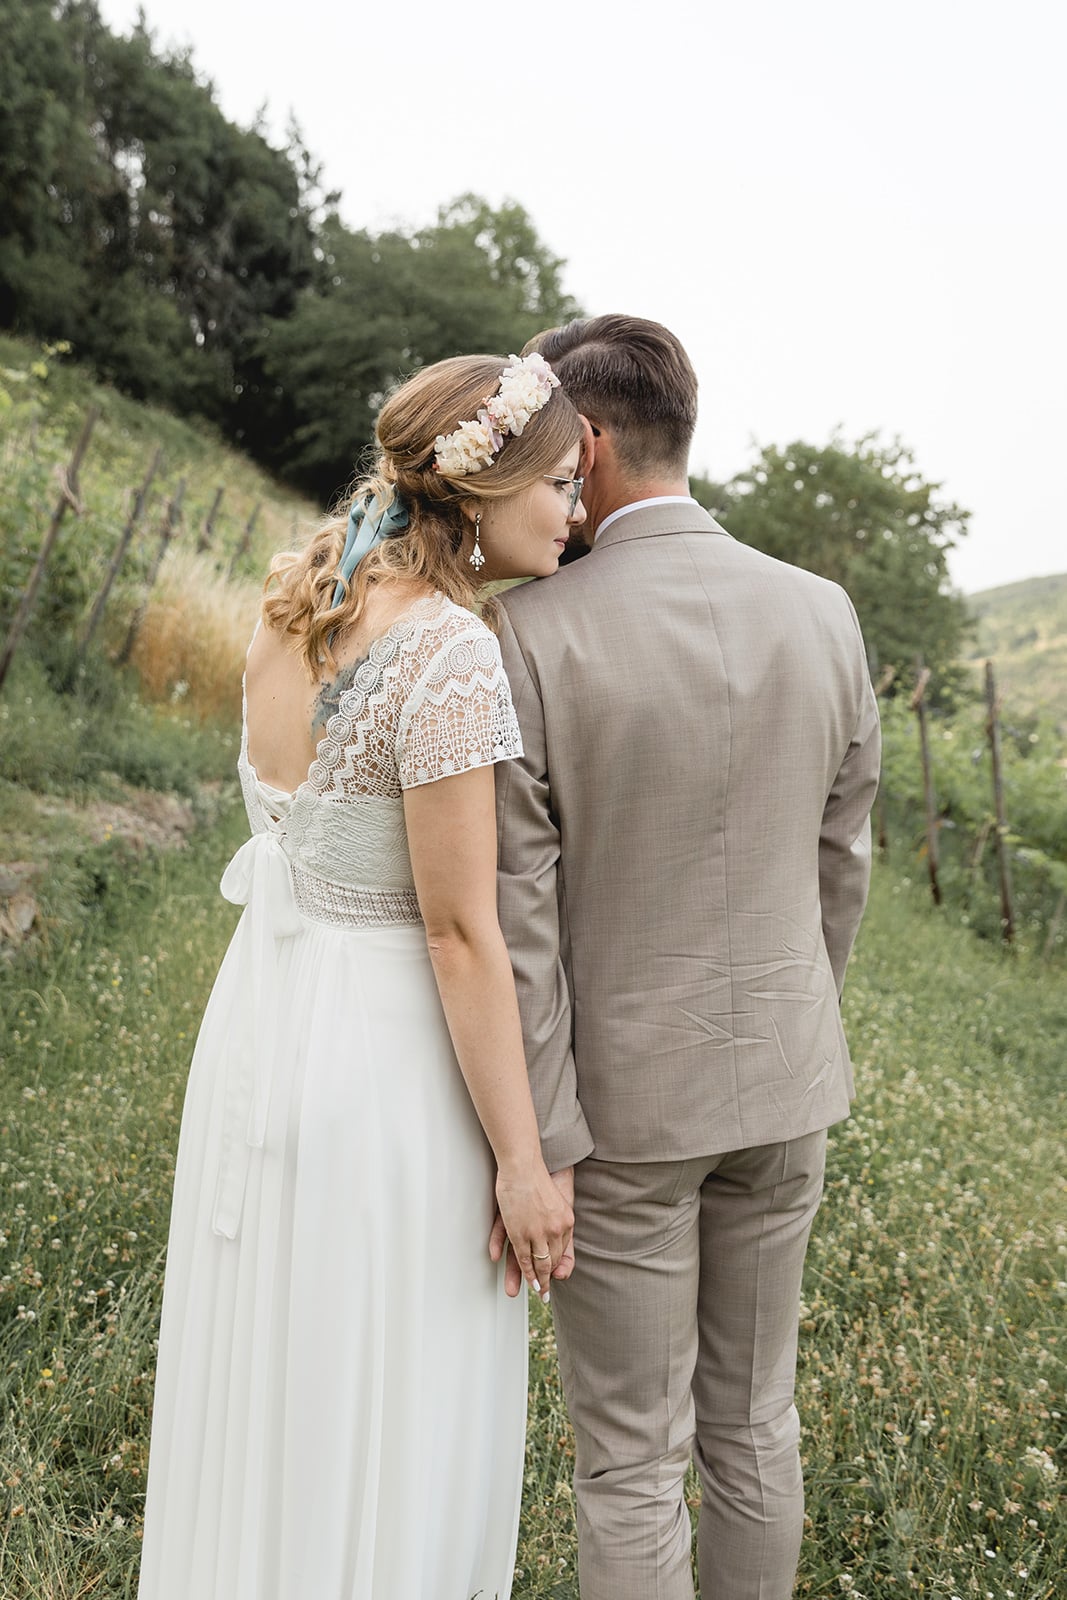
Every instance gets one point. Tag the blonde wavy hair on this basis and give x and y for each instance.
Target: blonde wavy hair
(300, 587)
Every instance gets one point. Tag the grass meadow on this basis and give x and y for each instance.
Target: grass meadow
(931, 1382)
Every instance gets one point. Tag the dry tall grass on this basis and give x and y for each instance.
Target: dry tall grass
(192, 642)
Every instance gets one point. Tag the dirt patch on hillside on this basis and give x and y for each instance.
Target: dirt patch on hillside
(142, 820)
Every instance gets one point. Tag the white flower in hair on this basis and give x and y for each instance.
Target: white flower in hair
(467, 450)
(525, 388)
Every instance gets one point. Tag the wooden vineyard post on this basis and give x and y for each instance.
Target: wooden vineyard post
(1054, 925)
(884, 679)
(1007, 911)
(68, 501)
(918, 705)
(978, 851)
(204, 541)
(171, 522)
(246, 539)
(120, 551)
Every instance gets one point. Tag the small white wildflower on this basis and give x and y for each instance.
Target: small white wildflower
(1034, 1457)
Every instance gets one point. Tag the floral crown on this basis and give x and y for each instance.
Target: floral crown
(525, 388)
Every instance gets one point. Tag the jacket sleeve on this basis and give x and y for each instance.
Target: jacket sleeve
(845, 835)
(528, 885)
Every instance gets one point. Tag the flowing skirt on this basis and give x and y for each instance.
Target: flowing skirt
(341, 1390)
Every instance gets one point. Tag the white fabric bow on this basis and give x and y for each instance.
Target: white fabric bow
(259, 879)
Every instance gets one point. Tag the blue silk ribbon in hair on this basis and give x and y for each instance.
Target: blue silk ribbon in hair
(370, 522)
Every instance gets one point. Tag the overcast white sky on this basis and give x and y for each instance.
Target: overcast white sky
(852, 213)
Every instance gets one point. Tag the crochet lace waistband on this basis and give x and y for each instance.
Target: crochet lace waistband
(347, 906)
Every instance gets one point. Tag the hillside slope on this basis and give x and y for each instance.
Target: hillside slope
(203, 608)
(1023, 628)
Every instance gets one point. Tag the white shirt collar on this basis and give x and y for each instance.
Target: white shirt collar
(639, 505)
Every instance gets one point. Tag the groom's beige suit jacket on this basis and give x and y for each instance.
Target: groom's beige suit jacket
(684, 846)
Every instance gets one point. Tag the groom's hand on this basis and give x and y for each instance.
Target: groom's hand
(564, 1181)
(499, 1241)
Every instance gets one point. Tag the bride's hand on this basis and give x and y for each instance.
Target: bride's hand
(539, 1222)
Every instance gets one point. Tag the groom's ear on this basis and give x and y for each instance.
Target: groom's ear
(590, 435)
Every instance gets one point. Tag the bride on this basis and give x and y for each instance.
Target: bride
(341, 1390)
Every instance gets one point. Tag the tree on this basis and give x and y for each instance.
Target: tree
(215, 222)
(708, 493)
(193, 263)
(135, 220)
(49, 173)
(388, 303)
(862, 515)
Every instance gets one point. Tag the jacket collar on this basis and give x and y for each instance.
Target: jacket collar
(646, 522)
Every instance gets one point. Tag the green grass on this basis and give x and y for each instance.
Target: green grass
(933, 1353)
(86, 776)
(96, 1046)
(932, 1363)
(80, 743)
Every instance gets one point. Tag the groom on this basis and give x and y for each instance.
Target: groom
(684, 857)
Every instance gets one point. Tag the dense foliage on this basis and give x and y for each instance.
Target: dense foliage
(382, 305)
(1035, 803)
(194, 264)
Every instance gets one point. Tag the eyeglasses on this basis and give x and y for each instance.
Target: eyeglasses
(575, 488)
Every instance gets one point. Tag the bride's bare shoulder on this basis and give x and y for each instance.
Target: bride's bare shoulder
(271, 651)
(385, 605)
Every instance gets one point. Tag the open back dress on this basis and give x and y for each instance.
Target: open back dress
(333, 1419)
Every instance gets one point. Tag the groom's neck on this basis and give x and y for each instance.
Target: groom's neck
(619, 492)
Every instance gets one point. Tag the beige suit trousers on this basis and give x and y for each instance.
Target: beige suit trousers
(677, 1339)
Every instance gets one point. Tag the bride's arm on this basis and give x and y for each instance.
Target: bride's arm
(451, 828)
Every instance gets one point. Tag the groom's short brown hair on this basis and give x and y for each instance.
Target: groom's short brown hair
(632, 375)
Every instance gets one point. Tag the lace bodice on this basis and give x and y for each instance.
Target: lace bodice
(430, 700)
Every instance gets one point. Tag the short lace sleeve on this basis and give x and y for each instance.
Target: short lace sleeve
(458, 714)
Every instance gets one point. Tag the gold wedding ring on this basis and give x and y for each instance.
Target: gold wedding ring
(546, 1257)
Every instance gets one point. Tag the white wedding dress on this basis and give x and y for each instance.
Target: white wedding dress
(341, 1392)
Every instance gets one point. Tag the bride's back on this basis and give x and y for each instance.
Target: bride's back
(286, 712)
(412, 700)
